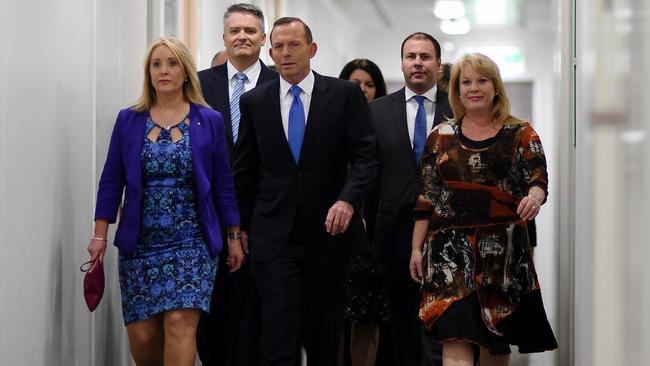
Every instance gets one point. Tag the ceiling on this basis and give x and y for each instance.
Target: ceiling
(381, 14)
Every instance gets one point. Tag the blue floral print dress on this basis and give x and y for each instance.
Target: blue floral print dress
(170, 267)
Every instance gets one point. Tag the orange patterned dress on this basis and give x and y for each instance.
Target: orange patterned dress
(479, 280)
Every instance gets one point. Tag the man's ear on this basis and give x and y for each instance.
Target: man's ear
(312, 50)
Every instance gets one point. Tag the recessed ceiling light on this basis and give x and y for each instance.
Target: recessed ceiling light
(449, 9)
(455, 26)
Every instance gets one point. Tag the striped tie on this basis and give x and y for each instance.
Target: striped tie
(234, 105)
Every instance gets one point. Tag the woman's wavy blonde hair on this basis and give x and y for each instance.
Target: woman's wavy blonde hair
(191, 88)
(483, 65)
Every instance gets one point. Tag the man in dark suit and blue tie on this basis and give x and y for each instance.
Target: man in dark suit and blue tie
(306, 160)
(230, 334)
(402, 121)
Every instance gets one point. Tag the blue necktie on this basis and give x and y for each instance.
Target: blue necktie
(234, 104)
(296, 122)
(420, 130)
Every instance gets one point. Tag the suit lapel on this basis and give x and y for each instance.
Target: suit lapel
(320, 99)
(401, 124)
(272, 124)
(266, 74)
(442, 108)
(219, 90)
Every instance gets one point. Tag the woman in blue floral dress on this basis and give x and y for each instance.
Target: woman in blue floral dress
(168, 154)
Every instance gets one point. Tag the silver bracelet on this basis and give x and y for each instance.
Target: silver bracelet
(539, 200)
(98, 238)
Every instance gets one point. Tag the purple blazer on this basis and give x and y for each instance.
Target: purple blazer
(216, 197)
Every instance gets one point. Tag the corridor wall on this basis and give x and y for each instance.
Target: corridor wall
(612, 281)
(66, 68)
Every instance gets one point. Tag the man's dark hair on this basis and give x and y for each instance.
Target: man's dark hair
(289, 20)
(422, 35)
(245, 8)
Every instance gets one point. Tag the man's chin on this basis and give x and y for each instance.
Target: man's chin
(419, 82)
(243, 53)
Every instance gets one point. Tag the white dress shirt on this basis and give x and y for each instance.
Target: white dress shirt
(286, 98)
(412, 109)
(252, 73)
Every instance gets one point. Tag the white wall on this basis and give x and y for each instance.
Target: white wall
(211, 31)
(66, 66)
(333, 32)
(612, 282)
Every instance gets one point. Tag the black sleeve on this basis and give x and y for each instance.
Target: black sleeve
(361, 146)
(246, 162)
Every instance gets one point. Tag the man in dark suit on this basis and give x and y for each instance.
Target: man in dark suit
(230, 334)
(307, 158)
(402, 121)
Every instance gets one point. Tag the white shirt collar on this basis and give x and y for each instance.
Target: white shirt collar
(252, 72)
(429, 94)
(307, 85)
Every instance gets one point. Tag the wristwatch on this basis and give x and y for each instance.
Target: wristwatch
(235, 235)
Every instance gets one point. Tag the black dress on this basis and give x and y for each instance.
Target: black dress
(367, 301)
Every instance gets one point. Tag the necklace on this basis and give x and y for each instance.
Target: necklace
(169, 114)
(170, 125)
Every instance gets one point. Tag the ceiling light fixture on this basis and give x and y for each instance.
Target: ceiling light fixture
(449, 9)
(455, 26)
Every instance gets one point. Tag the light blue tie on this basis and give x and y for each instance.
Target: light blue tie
(296, 122)
(420, 130)
(234, 104)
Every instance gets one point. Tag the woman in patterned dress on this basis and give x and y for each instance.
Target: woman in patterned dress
(483, 177)
(168, 154)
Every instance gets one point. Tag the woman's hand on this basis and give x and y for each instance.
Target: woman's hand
(529, 206)
(419, 233)
(97, 248)
(236, 255)
(415, 267)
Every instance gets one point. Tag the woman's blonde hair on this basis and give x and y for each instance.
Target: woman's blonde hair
(483, 65)
(191, 87)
